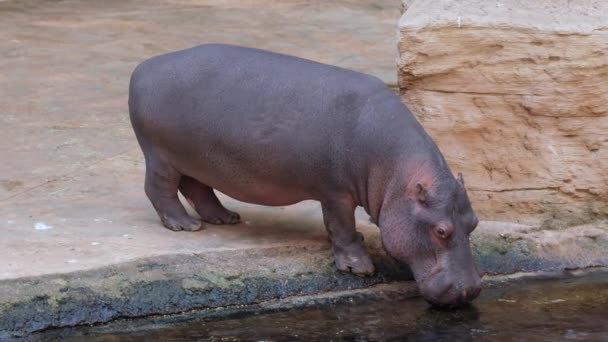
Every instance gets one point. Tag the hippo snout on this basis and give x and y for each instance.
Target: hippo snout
(441, 290)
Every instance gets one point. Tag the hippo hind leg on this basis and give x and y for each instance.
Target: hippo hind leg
(161, 185)
(205, 202)
(346, 242)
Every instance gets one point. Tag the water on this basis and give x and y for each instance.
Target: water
(571, 309)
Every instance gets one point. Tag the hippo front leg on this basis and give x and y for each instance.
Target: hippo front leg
(346, 242)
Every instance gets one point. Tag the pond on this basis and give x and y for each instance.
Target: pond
(569, 309)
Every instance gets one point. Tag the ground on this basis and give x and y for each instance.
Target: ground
(79, 233)
(70, 158)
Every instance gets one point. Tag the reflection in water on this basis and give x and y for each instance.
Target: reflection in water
(542, 310)
(434, 324)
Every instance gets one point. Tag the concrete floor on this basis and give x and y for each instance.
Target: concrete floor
(70, 164)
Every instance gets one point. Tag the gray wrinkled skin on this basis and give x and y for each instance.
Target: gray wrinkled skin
(272, 129)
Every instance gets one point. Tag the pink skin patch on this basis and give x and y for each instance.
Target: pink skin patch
(419, 172)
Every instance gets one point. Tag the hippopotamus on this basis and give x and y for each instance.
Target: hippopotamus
(272, 129)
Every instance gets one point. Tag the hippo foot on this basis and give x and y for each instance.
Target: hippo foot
(354, 259)
(186, 223)
(224, 216)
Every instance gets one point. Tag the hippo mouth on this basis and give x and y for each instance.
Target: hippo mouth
(444, 290)
(458, 301)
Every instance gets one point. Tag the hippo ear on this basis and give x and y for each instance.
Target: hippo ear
(421, 193)
(460, 179)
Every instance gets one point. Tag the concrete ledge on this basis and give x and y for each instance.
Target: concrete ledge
(504, 248)
(176, 283)
(382, 292)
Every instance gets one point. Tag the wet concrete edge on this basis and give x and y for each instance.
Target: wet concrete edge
(177, 283)
(232, 278)
(394, 291)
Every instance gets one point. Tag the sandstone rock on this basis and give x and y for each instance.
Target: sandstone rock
(515, 93)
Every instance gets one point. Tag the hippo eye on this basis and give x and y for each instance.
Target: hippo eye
(443, 232)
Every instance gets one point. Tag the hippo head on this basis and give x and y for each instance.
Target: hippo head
(427, 226)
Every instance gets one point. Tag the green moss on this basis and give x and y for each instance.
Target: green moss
(218, 280)
(193, 286)
(496, 246)
(113, 287)
(55, 299)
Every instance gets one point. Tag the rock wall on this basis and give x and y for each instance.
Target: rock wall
(515, 93)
